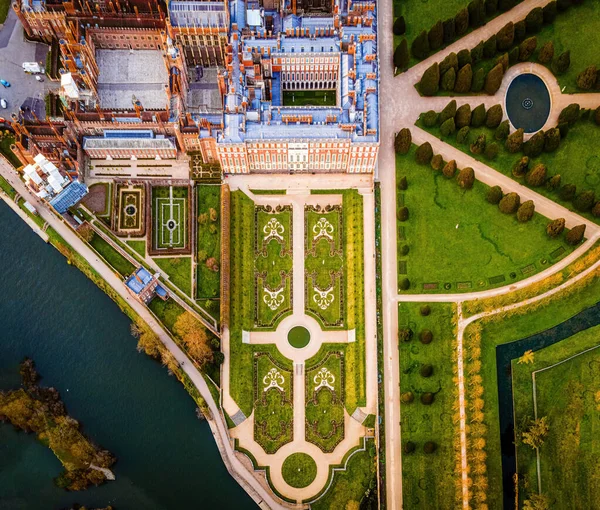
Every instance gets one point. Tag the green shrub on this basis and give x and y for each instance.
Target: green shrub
(491, 7)
(489, 47)
(569, 114)
(575, 235)
(568, 192)
(448, 112)
(463, 135)
(430, 118)
(563, 127)
(407, 397)
(464, 79)
(461, 21)
(504, 61)
(586, 79)
(537, 175)
(534, 20)
(463, 116)
(526, 48)
(546, 53)
(403, 141)
(493, 80)
(448, 128)
(426, 336)
(554, 182)
(584, 201)
(437, 161)
(449, 79)
(478, 80)
(401, 56)
(450, 62)
(535, 145)
(399, 26)
(525, 211)
(509, 203)
(425, 310)
(478, 116)
(552, 140)
(429, 446)
(478, 146)
(430, 82)
(404, 284)
(449, 31)
(549, 12)
(402, 213)
(466, 178)
(424, 154)
(409, 447)
(427, 398)
(597, 116)
(513, 56)
(404, 250)
(502, 130)
(561, 63)
(494, 195)
(520, 167)
(555, 227)
(476, 10)
(477, 53)
(426, 370)
(449, 169)
(436, 36)
(514, 142)
(464, 58)
(403, 183)
(491, 151)
(505, 37)
(405, 334)
(420, 46)
(596, 210)
(520, 31)
(494, 116)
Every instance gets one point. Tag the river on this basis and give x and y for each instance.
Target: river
(125, 401)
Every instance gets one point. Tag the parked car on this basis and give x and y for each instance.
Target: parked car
(38, 77)
(3, 103)
(2, 120)
(5, 83)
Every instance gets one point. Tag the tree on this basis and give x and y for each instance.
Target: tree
(463, 116)
(505, 37)
(537, 175)
(436, 36)
(478, 80)
(549, 11)
(575, 235)
(596, 210)
(586, 79)
(476, 10)
(426, 370)
(514, 142)
(450, 62)
(554, 182)
(448, 128)
(537, 502)
(536, 434)
(534, 20)
(478, 116)
(526, 48)
(546, 53)
(535, 145)
(404, 284)
(567, 192)
(493, 80)
(477, 53)
(430, 81)
(429, 447)
(463, 135)
(520, 31)
(464, 79)
(404, 249)
(464, 58)
(448, 112)
(169, 361)
(494, 116)
(149, 343)
(403, 183)
(466, 178)
(491, 151)
(502, 130)
(86, 232)
(504, 60)
(555, 227)
(402, 213)
(552, 140)
(449, 169)
(399, 26)
(425, 310)
(430, 118)
(408, 447)
(427, 398)
(420, 46)
(561, 63)
(407, 397)
(520, 167)
(405, 334)
(491, 7)
(426, 336)
(449, 79)
(478, 147)
(403, 141)
(494, 195)
(527, 358)
(597, 116)
(585, 201)
(437, 161)
(489, 47)
(509, 203)
(513, 56)
(401, 56)
(449, 31)
(424, 153)
(195, 337)
(461, 21)
(525, 211)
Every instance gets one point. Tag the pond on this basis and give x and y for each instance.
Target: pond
(528, 102)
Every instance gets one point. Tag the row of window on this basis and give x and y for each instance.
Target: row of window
(308, 76)
(307, 60)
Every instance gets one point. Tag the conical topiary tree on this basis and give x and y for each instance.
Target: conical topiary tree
(575, 235)
(461, 21)
(449, 169)
(466, 178)
(463, 116)
(462, 136)
(526, 48)
(448, 112)
(430, 81)
(478, 116)
(478, 80)
(464, 79)
(585, 201)
(436, 36)
(520, 167)
(451, 61)
(561, 63)
(505, 37)
(420, 46)
(555, 227)
(546, 53)
(586, 79)
(534, 20)
(424, 153)
(552, 140)
(478, 146)
(494, 195)
(509, 203)
(525, 211)
(401, 56)
(494, 116)
(502, 130)
(514, 142)
(537, 175)
(403, 141)
(449, 79)
(493, 80)
(535, 145)
(399, 27)
(448, 128)
(568, 192)
(437, 162)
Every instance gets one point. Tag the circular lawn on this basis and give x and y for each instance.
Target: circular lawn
(299, 470)
(298, 337)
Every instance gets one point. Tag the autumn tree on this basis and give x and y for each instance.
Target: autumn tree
(527, 358)
(195, 338)
(536, 433)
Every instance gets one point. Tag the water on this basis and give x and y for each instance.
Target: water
(126, 402)
(528, 102)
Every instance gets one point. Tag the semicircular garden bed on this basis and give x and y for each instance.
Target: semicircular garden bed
(299, 470)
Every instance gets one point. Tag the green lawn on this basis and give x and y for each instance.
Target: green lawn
(179, 270)
(7, 188)
(460, 242)
(7, 140)
(569, 457)
(139, 247)
(163, 210)
(428, 480)
(309, 98)
(167, 311)
(299, 470)
(577, 159)
(508, 330)
(112, 256)
(4, 7)
(208, 281)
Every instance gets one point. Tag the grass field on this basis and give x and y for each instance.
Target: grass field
(428, 480)
(179, 270)
(577, 159)
(208, 200)
(131, 208)
(138, 246)
(299, 470)
(7, 140)
(169, 217)
(4, 7)
(570, 471)
(7, 188)
(309, 98)
(113, 257)
(460, 242)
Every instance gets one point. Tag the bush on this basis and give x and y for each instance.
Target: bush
(509, 203)
(399, 26)
(568, 192)
(478, 80)
(448, 128)
(401, 56)
(403, 141)
(585, 201)
(505, 37)
(408, 447)
(464, 58)
(476, 10)
(437, 161)
(402, 183)
(546, 53)
(489, 47)
(430, 118)
(514, 142)
(502, 131)
(463, 116)
(463, 135)
(449, 169)
(477, 53)
(426, 336)
(450, 62)
(554, 182)
(478, 116)
(534, 20)
(466, 178)
(525, 211)
(448, 112)
(575, 235)
(561, 63)
(586, 79)
(549, 12)
(404, 284)
(491, 7)
(555, 227)
(563, 127)
(420, 46)
(478, 147)
(535, 145)
(449, 31)
(429, 447)
(425, 310)
(552, 140)
(494, 195)
(520, 31)
(493, 80)
(430, 82)
(491, 151)
(494, 116)
(464, 79)
(426, 370)
(407, 397)
(569, 114)
(404, 250)
(526, 48)
(537, 175)
(504, 61)
(596, 210)
(520, 167)
(405, 334)
(461, 21)
(597, 116)
(427, 398)
(402, 213)
(424, 154)
(449, 79)
(436, 36)
(513, 56)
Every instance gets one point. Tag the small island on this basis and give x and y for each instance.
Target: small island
(37, 409)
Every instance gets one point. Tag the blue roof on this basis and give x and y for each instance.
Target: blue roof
(68, 197)
(138, 280)
(160, 291)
